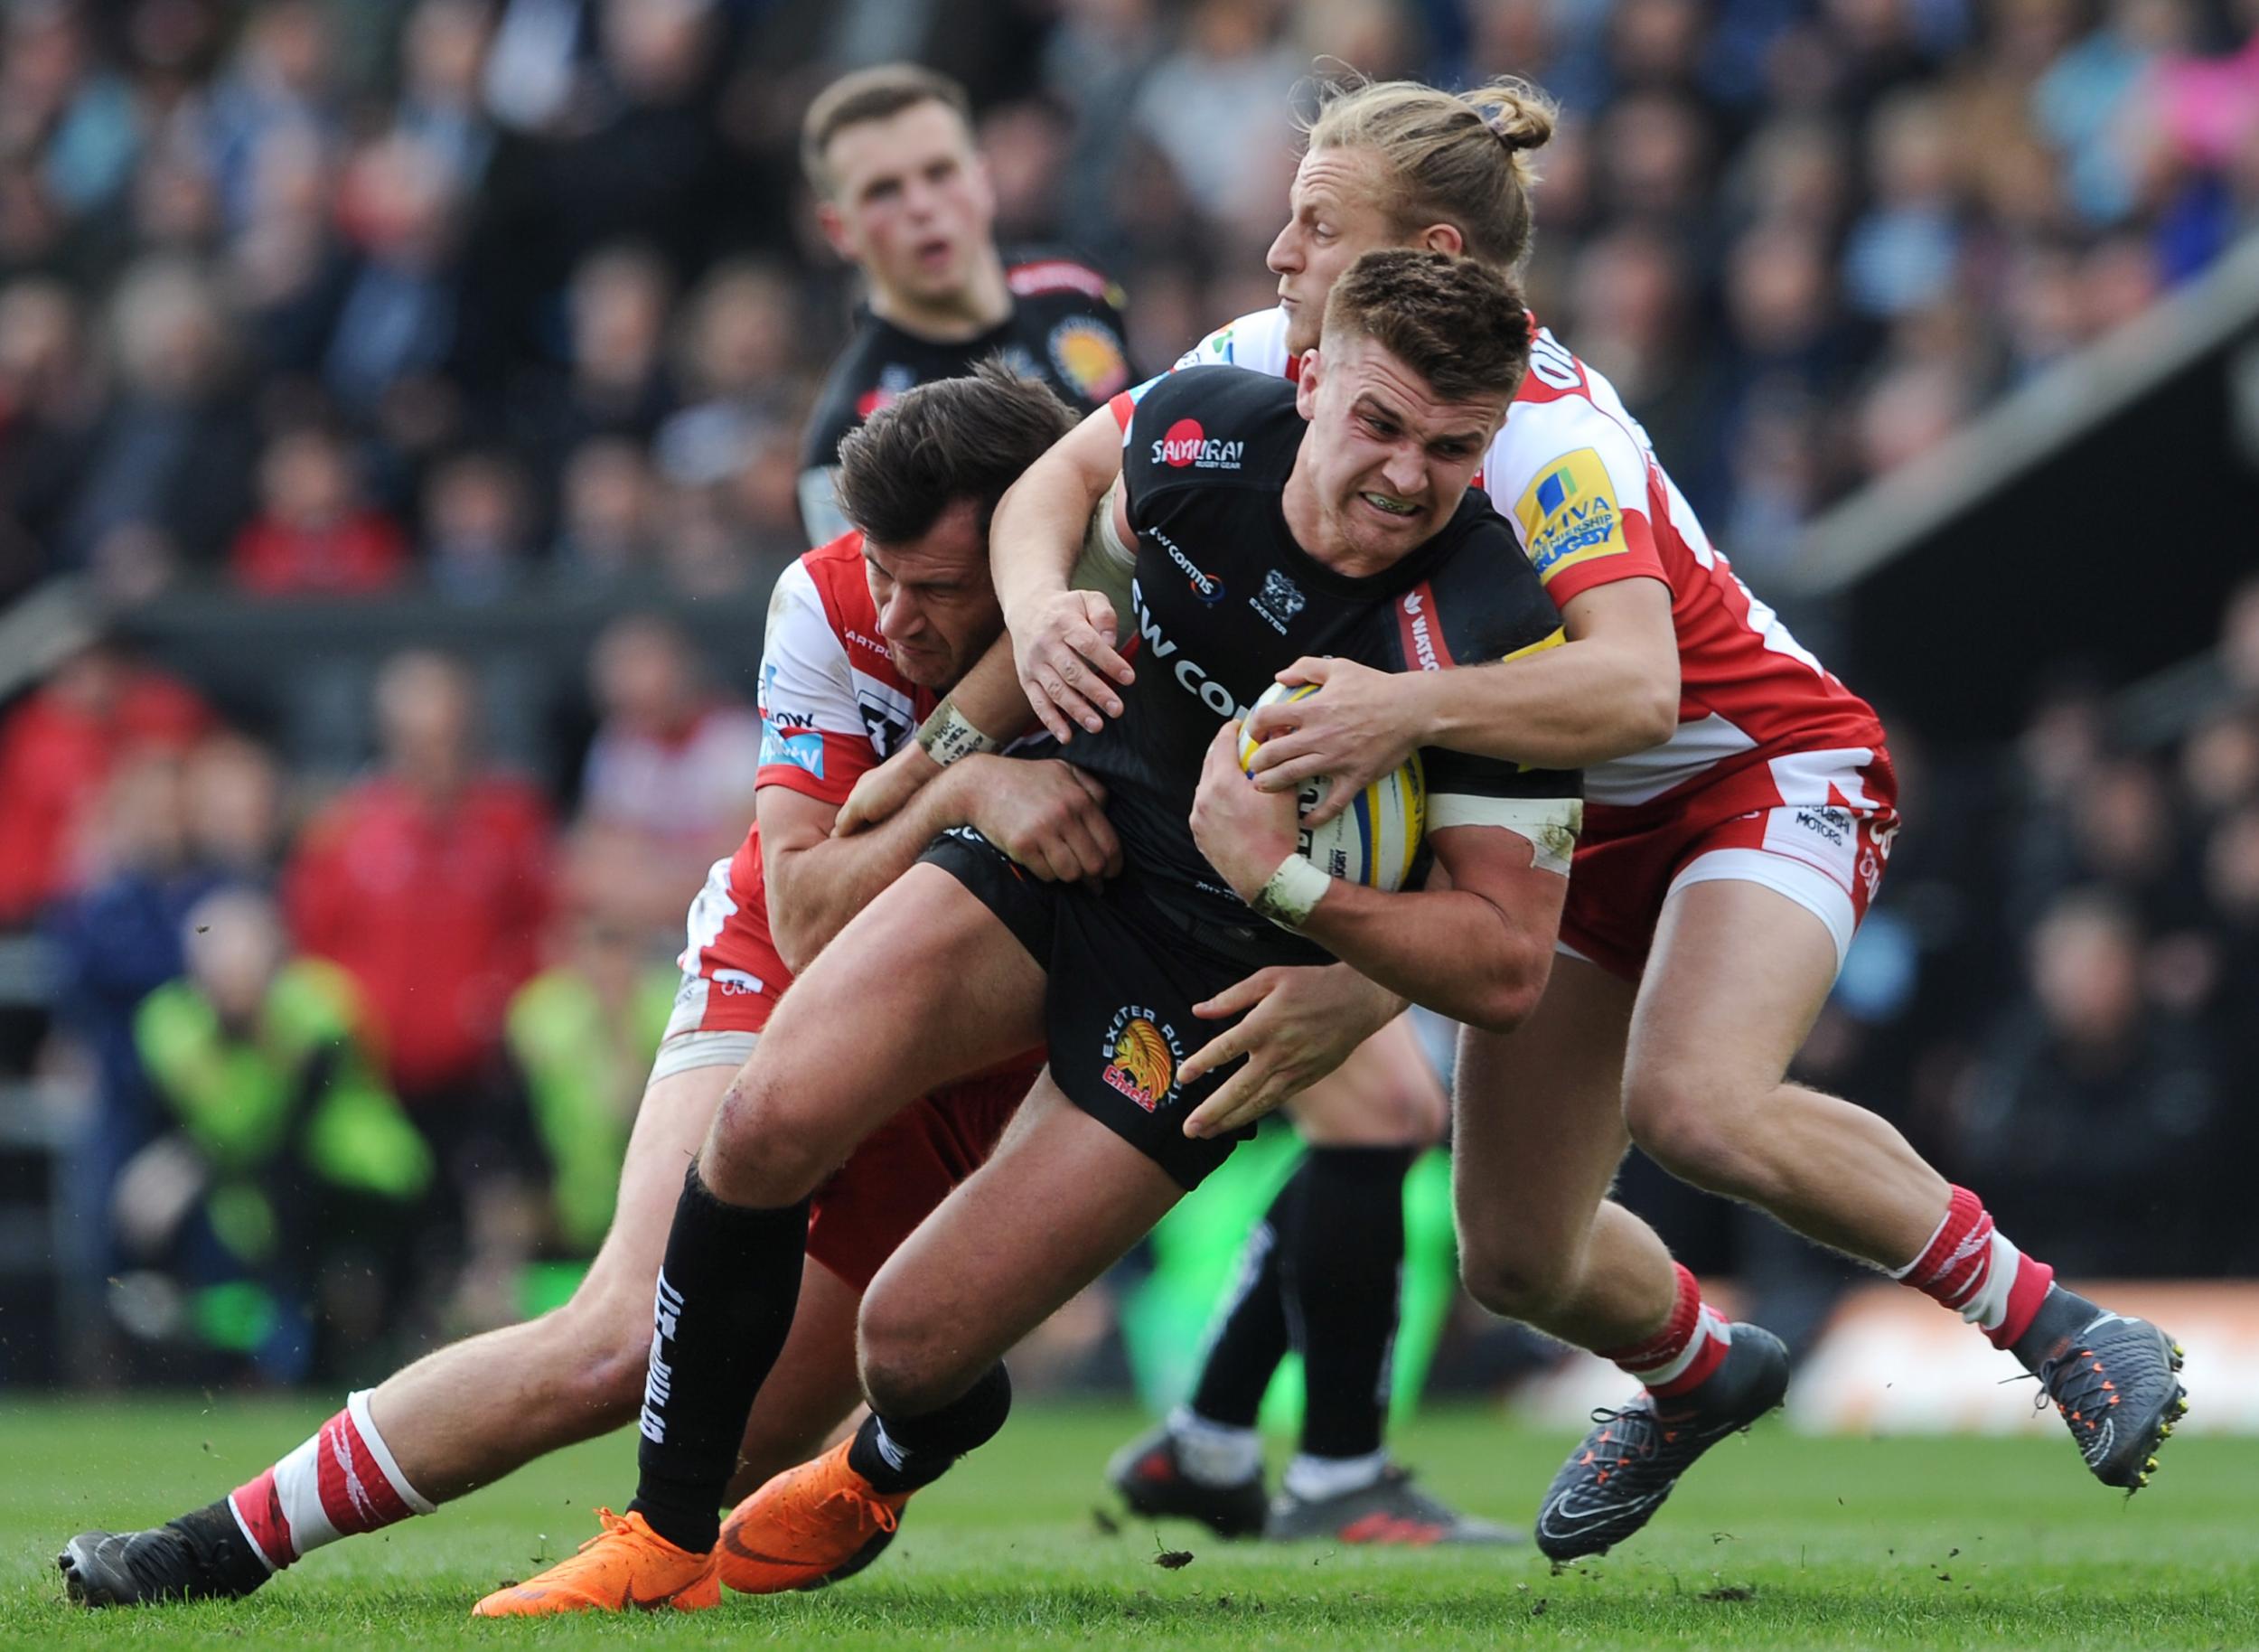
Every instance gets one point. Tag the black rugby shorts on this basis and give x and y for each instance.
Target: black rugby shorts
(1124, 975)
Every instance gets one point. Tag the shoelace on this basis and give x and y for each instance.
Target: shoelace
(2087, 1391)
(805, 1521)
(1640, 1426)
(612, 1525)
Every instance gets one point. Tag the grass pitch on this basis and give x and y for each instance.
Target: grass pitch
(1775, 1541)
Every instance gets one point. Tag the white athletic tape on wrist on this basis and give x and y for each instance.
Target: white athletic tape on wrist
(1293, 893)
(946, 737)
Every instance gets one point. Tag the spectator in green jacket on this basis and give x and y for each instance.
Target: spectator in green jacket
(581, 1035)
(282, 1152)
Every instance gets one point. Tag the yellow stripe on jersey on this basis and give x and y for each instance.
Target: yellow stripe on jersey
(1553, 640)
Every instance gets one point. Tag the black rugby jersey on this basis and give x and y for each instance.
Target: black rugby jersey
(1222, 598)
(1065, 328)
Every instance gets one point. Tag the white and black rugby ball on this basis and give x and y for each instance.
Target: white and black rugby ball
(1375, 839)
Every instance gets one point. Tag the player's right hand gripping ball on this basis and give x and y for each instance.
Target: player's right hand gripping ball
(1375, 840)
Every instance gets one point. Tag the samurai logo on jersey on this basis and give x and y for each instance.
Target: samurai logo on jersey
(1278, 601)
(1569, 514)
(1141, 1055)
(1185, 443)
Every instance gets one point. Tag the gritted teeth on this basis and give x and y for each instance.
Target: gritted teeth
(1393, 507)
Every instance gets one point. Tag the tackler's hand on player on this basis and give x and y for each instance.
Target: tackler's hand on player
(1244, 832)
(881, 792)
(1048, 815)
(1064, 653)
(1357, 730)
(1299, 1025)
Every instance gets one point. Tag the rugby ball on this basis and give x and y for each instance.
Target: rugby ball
(1373, 841)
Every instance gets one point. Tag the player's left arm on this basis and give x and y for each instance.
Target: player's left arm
(1478, 951)
(1608, 688)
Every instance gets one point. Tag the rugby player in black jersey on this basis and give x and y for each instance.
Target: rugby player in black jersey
(1331, 516)
(902, 195)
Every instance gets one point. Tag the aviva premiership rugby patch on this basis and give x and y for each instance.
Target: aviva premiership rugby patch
(1569, 515)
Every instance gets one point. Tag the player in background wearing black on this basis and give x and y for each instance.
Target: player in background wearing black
(902, 195)
(1353, 534)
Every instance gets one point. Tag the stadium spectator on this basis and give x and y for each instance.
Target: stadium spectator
(668, 786)
(315, 534)
(581, 1035)
(282, 1150)
(2085, 1095)
(57, 750)
(476, 528)
(605, 516)
(430, 884)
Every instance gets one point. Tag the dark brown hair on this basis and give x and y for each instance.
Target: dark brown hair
(876, 93)
(953, 439)
(1456, 323)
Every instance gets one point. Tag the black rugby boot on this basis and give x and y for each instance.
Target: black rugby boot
(201, 1556)
(2114, 1381)
(1614, 1482)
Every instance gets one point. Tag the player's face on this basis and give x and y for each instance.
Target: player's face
(937, 608)
(911, 201)
(1336, 214)
(1389, 458)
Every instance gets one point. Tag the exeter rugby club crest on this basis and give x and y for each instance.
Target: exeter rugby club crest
(1141, 1054)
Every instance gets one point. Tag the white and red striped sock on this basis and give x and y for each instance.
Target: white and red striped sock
(1692, 1344)
(1970, 1266)
(341, 1482)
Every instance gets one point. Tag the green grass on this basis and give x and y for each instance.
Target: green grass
(1777, 1541)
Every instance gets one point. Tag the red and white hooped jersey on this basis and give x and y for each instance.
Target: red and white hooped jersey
(1578, 478)
(832, 707)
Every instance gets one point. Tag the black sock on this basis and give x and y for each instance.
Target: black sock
(904, 1453)
(2063, 1313)
(726, 1292)
(1250, 1338)
(1342, 1271)
(233, 1566)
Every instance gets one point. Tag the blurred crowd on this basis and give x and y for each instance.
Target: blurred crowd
(494, 298)
(312, 297)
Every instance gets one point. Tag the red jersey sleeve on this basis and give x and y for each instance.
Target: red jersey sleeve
(813, 738)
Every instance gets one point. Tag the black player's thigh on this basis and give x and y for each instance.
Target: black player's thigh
(926, 985)
(1061, 1200)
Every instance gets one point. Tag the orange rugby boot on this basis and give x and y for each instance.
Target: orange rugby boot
(626, 1566)
(808, 1526)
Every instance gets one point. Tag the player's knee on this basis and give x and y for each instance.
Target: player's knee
(1512, 1274)
(908, 1361)
(1687, 1124)
(1409, 1112)
(768, 1148)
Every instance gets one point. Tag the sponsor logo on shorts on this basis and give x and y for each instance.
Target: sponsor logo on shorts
(1141, 1055)
(1185, 443)
(1205, 585)
(1089, 357)
(1569, 514)
(1278, 601)
(1831, 826)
